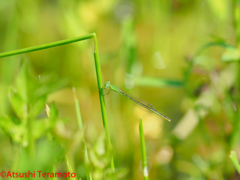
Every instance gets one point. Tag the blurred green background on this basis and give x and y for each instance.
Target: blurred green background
(150, 50)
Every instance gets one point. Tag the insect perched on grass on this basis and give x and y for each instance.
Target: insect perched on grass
(107, 87)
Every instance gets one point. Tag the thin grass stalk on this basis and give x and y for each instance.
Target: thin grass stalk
(143, 151)
(46, 46)
(101, 96)
(80, 125)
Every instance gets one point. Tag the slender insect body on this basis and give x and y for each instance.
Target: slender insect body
(144, 104)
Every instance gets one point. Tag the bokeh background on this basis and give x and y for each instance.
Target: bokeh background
(149, 49)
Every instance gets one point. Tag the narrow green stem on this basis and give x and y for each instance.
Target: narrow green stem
(143, 150)
(101, 96)
(80, 124)
(46, 46)
(234, 160)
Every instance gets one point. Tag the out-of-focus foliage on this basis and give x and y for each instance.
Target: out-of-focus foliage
(28, 99)
(181, 56)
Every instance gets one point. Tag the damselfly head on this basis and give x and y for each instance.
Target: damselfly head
(106, 89)
(106, 85)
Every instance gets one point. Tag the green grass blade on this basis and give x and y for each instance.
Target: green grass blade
(157, 82)
(143, 150)
(80, 124)
(46, 46)
(101, 96)
(234, 160)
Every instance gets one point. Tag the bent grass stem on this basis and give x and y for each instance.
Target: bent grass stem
(97, 66)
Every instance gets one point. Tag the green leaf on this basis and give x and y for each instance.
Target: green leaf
(220, 9)
(37, 107)
(217, 42)
(6, 124)
(53, 113)
(19, 107)
(231, 54)
(16, 131)
(40, 127)
(21, 82)
(157, 82)
(117, 174)
(100, 155)
(49, 87)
